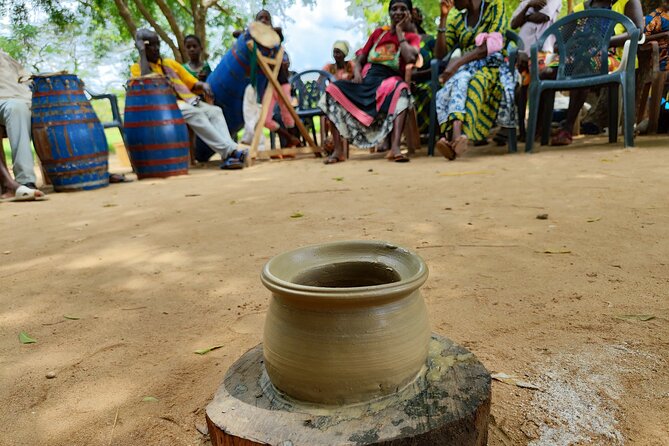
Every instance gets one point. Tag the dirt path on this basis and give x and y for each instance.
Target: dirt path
(154, 270)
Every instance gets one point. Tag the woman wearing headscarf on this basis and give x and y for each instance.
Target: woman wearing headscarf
(366, 110)
(479, 87)
(341, 69)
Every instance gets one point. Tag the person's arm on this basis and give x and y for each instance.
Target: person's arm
(408, 52)
(480, 52)
(141, 39)
(360, 63)
(522, 17)
(440, 47)
(634, 12)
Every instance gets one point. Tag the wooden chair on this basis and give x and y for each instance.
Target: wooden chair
(3, 135)
(652, 81)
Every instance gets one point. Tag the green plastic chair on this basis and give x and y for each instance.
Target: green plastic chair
(582, 40)
(513, 45)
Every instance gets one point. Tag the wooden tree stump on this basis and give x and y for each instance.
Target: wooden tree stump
(448, 404)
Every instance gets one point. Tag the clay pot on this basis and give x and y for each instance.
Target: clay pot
(346, 322)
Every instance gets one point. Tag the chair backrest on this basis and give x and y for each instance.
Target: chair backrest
(583, 41)
(514, 44)
(308, 87)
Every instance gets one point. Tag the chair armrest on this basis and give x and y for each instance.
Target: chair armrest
(658, 36)
(113, 102)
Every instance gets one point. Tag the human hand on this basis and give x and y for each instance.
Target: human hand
(404, 23)
(449, 72)
(357, 77)
(205, 88)
(141, 39)
(537, 17)
(447, 5)
(537, 4)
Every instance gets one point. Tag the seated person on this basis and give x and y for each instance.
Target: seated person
(341, 69)
(533, 17)
(479, 87)
(658, 22)
(366, 110)
(196, 66)
(630, 8)
(15, 103)
(207, 121)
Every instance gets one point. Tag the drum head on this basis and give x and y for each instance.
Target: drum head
(264, 35)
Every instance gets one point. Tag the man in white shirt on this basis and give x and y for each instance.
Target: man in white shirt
(15, 101)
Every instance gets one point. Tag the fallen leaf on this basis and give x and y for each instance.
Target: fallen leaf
(462, 174)
(150, 399)
(594, 220)
(555, 251)
(636, 317)
(7, 253)
(607, 161)
(204, 351)
(339, 179)
(514, 381)
(193, 195)
(25, 339)
(542, 217)
(109, 205)
(297, 215)
(233, 202)
(71, 318)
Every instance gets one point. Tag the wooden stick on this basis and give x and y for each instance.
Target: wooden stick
(267, 99)
(262, 61)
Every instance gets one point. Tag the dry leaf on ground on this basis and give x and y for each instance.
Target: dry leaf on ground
(514, 381)
(24, 338)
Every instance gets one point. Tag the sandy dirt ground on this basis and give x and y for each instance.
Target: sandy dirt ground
(151, 271)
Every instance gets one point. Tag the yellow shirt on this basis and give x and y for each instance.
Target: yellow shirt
(184, 80)
(618, 7)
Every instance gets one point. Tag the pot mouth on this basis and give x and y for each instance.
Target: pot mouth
(354, 269)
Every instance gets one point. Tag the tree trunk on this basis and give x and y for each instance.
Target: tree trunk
(171, 19)
(123, 10)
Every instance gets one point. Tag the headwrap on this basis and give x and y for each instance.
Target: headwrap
(342, 46)
(406, 2)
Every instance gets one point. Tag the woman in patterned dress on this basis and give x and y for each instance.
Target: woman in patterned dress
(366, 110)
(479, 86)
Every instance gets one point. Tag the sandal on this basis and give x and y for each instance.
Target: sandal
(444, 147)
(401, 158)
(232, 164)
(562, 138)
(332, 160)
(460, 145)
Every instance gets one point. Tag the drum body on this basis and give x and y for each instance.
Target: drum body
(230, 78)
(68, 136)
(155, 131)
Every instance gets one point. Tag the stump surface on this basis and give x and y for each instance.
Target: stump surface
(448, 404)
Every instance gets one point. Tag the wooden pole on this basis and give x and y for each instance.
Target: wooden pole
(263, 62)
(267, 99)
(570, 6)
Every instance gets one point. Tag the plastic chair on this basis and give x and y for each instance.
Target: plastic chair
(583, 41)
(513, 45)
(308, 87)
(653, 81)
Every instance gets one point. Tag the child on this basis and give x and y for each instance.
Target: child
(196, 66)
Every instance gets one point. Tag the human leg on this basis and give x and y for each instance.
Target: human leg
(396, 137)
(208, 122)
(576, 100)
(15, 116)
(338, 153)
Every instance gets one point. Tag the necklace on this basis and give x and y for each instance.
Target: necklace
(480, 16)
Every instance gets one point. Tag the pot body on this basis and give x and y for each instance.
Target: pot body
(347, 322)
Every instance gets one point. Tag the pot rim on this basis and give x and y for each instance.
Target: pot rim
(387, 290)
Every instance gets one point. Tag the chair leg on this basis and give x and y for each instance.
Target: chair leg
(547, 118)
(533, 118)
(613, 114)
(513, 140)
(628, 111)
(313, 130)
(432, 128)
(522, 109)
(655, 101)
(411, 132)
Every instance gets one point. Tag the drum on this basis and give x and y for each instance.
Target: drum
(155, 131)
(69, 139)
(232, 75)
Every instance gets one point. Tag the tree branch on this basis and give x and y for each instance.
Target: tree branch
(159, 30)
(123, 10)
(174, 26)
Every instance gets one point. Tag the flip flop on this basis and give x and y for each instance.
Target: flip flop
(562, 138)
(232, 164)
(445, 148)
(333, 160)
(115, 178)
(460, 145)
(24, 193)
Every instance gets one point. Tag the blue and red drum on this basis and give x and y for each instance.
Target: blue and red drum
(155, 130)
(68, 136)
(233, 73)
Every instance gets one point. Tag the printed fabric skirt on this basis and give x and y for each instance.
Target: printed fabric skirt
(480, 94)
(365, 113)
